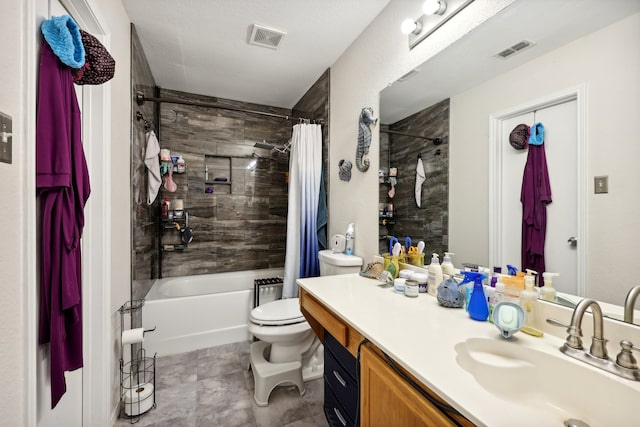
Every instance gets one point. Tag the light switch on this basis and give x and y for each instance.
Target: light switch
(601, 184)
(6, 138)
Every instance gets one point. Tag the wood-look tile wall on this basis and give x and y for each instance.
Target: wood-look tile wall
(430, 222)
(241, 230)
(144, 217)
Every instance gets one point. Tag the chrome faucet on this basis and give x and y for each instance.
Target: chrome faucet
(598, 343)
(625, 364)
(630, 302)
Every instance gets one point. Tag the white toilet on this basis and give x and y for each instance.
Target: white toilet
(282, 325)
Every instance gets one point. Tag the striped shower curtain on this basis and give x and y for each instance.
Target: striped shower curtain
(305, 168)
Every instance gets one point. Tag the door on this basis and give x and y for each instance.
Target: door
(68, 412)
(560, 142)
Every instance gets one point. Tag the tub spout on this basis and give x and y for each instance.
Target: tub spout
(630, 303)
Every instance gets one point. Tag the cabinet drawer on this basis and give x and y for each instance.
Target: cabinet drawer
(345, 387)
(333, 411)
(341, 354)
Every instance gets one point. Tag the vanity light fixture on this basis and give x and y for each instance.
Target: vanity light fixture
(436, 14)
(409, 26)
(434, 7)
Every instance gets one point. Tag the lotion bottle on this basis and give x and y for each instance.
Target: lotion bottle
(351, 234)
(548, 292)
(435, 275)
(528, 302)
(447, 265)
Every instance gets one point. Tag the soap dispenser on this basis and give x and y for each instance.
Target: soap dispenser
(349, 236)
(434, 275)
(447, 265)
(548, 292)
(478, 307)
(528, 302)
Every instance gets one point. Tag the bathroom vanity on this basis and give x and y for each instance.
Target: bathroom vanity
(459, 363)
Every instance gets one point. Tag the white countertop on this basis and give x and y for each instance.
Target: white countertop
(421, 336)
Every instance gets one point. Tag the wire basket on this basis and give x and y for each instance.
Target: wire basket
(138, 386)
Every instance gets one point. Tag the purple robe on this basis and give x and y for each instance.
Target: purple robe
(62, 181)
(535, 196)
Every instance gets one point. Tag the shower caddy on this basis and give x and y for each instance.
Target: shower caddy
(138, 376)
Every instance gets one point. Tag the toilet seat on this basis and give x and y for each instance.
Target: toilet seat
(278, 313)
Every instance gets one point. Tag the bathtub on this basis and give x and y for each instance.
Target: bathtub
(208, 310)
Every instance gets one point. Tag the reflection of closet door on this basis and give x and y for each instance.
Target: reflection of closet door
(560, 123)
(68, 412)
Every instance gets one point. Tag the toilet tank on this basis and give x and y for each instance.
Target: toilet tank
(332, 263)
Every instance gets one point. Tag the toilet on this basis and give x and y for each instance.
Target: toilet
(288, 351)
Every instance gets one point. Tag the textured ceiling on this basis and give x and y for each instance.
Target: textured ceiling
(200, 46)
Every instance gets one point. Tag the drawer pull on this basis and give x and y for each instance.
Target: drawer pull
(340, 379)
(340, 417)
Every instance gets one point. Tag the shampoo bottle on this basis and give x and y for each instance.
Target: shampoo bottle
(495, 298)
(435, 276)
(548, 292)
(351, 234)
(528, 302)
(447, 265)
(478, 307)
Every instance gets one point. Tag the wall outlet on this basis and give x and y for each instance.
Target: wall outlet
(6, 138)
(601, 184)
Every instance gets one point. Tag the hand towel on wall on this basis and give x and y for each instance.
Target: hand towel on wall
(420, 178)
(153, 166)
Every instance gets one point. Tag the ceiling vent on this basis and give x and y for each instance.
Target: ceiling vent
(265, 36)
(512, 50)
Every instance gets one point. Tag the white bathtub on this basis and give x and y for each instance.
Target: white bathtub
(208, 310)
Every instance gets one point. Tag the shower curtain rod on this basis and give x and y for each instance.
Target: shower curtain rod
(141, 98)
(436, 141)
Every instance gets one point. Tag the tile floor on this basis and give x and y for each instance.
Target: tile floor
(212, 387)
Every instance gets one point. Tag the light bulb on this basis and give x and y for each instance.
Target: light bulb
(408, 26)
(434, 7)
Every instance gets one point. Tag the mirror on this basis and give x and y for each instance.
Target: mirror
(571, 44)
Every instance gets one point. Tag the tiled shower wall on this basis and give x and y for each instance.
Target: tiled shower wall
(430, 222)
(241, 226)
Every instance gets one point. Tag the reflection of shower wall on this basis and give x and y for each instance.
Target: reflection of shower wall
(430, 222)
(144, 217)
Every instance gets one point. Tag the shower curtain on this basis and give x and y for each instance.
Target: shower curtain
(305, 169)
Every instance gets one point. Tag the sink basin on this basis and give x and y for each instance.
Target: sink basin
(553, 388)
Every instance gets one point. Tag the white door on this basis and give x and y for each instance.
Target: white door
(560, 142)
(68, 412)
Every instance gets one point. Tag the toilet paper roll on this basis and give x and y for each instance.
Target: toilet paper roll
(338, 242)
(132, 336)
(138, 400)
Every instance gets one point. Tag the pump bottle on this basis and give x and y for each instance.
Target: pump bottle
(447, 265)
(350, 235)
(435, 275)
(528, 301)
(548, 292)
(495, 298)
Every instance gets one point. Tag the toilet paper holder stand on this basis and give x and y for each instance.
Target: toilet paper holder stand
(137, 376)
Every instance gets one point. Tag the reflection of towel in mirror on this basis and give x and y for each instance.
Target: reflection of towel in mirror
(153, 166)
(420, 178)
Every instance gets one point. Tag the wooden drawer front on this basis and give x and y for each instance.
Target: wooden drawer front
(333, 411)
(328, 320)
(342, 355)
(343, 385)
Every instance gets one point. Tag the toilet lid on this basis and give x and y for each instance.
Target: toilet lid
(280, 312)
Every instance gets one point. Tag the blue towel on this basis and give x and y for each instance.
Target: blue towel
(322, 214)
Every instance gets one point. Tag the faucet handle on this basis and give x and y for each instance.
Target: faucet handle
(625, 357)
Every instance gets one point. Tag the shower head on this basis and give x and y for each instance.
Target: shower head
(264, 145)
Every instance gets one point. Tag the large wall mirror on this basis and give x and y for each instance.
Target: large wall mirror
(457, 109)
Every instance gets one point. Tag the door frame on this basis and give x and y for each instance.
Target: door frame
(577, 93)
(96, 240)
